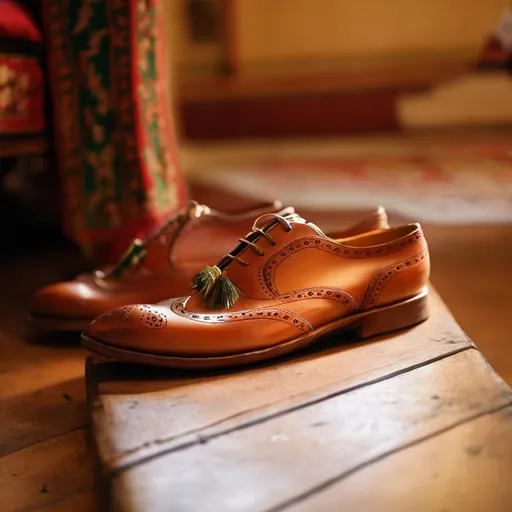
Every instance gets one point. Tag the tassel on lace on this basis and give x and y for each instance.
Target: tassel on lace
(130, 258)
(224, 293)
(216, 289)
(204, 281)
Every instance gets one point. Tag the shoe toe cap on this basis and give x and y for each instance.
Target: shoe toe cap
(129, 327)
(67, 300)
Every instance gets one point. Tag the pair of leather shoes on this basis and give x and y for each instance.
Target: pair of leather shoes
(285, 285)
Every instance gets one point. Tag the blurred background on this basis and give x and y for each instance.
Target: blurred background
(332, 106)
(331, 92)
(297, 67)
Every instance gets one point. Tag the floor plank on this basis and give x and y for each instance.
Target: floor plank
(45, 461)
(83, 501)
(269, 464)
(471, 268)
(49, 473)
(34, 417)
(475, 456)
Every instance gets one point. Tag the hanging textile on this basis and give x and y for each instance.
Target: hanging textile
(113, 137)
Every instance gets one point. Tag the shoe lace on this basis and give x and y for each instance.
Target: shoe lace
(137, 250)
(213, 283)
(257, 233)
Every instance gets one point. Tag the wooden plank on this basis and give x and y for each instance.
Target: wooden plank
(271, 463)
(42, 396)
(466, 468)
(39, 382)
(42, 389)
(50, 475)
(483, 255)
(139, 412)
(44, 414)
(84, 501)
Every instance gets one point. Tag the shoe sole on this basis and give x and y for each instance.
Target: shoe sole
(368, 324)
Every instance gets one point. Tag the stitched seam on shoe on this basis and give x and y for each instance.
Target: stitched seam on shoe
(295, 320)
(384, 276)
(327, 292)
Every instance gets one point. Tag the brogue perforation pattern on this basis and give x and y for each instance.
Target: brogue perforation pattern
(151, 318)
(330, 293)
(282, 315)
(381, 280)
(126, 312)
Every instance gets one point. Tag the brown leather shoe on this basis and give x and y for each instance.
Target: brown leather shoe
(162, 266)
(286, 285)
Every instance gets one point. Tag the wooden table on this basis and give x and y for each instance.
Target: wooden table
(414, 421)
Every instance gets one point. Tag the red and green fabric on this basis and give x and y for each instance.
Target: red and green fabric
(114, 137)
(21, 78)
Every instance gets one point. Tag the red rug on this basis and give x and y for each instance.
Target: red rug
(439, 183)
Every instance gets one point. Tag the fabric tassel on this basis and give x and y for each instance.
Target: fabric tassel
(204, 282)
(224, 293)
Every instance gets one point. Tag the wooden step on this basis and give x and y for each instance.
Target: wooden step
(294, 433)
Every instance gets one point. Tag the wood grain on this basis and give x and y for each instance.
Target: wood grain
(466, 468)
(41, 377)
(272, 463)
(57, 471)
(175, 408)
(42, 415)
(46, 462)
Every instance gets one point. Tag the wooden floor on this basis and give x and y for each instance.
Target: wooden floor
(46, 459)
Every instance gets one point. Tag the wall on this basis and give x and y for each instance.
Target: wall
(274, 31)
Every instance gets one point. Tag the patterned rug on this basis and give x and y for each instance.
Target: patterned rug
(433, 181)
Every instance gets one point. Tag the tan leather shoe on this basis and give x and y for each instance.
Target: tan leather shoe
(286, 285)
(162, 266)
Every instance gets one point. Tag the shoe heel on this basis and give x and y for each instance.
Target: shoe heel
(395, 317)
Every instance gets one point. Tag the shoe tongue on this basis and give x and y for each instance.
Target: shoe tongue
(290, 214)
(287, 211)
